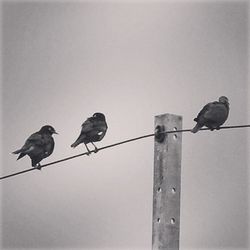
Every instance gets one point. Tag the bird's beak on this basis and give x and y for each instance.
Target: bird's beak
(55, 133)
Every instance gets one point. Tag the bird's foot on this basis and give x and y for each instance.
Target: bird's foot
(38, 166)
(88, 152)
(96, 149)
(218, 128)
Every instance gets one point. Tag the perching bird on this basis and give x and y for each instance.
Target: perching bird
(93, 130)
(38, 146)
(213, 115)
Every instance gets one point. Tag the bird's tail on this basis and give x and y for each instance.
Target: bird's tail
(196, 128)
(76, 143)
(19, 151)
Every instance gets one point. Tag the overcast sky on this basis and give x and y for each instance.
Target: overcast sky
(64, 61)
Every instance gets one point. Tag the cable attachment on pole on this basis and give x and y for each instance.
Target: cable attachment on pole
(159, 133)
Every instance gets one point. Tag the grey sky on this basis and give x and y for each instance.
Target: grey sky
(64, 61)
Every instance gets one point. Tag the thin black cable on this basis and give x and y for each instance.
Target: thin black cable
(75, 156)
(189, 130)
(116, 144)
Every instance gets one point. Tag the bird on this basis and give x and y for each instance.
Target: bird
(38, 146)
(212, 115)
(93, 130)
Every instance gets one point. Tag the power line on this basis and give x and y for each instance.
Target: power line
(117, 144)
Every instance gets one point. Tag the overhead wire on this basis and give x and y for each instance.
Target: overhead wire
(117, 144)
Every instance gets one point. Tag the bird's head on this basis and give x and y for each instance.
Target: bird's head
(224, 99)
(99, 116)
(47, 129)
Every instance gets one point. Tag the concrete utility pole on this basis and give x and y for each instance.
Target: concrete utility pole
(167, 183)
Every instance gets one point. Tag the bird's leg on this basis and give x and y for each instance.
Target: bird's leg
(96, 149)
(38, 166)
(89, 152)
(218, 128)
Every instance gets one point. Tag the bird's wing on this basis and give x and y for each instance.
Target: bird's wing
(36, 138)
(204, 110)
(87, 126)
(214, 111)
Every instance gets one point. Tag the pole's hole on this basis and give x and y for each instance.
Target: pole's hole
(175, 136)
(172, 221)
(173, 190)
(159, 190)
(158, 220)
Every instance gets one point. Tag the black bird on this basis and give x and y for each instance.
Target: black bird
(93, 130)
(38, 146)
(213, 115)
